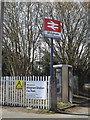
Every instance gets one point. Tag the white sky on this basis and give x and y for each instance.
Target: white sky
(45, 0)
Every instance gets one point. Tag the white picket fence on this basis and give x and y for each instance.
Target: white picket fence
(13, 97)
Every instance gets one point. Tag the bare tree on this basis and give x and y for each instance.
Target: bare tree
(21, 35)
(72, 48)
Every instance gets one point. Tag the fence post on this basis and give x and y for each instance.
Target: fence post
(7, 86)
(49, 102)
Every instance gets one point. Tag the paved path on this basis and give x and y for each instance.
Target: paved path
(82, 111)
(8, 112)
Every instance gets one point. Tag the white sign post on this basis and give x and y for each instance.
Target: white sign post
(36, 90)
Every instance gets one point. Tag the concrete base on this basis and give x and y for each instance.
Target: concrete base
(53, 91)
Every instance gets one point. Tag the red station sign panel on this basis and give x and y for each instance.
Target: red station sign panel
(52, 28)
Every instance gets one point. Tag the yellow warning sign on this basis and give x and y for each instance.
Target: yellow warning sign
(19, 84)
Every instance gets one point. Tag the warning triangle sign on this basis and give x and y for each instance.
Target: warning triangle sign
(19, 84)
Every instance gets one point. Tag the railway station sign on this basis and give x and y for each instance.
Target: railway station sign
(51, 28)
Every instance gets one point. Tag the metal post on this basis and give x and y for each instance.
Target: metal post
(1, 34)
(53, 84)
(39, 58)
(51, 57)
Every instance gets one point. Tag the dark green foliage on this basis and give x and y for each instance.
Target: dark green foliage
(45, 63)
